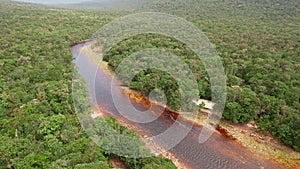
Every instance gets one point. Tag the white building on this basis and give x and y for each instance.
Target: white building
(207, 104)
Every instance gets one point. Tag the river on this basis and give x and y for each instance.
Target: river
(219, 152)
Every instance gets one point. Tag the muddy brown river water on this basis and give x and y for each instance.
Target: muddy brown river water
(219, 152)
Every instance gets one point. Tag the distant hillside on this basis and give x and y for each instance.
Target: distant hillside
(105, 4)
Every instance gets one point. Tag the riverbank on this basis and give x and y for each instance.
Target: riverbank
(154, 147)
(267, 147)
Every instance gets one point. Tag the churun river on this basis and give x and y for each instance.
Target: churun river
(219, 152)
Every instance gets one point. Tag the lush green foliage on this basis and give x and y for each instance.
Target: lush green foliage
(147, 80)
(258, 42)
(38, 126)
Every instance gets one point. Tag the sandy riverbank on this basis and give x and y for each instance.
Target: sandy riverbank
(266, 146)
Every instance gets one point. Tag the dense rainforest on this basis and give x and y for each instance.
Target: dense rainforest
(38, 124)
(258, 42)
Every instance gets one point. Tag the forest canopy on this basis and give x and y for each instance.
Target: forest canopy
(38, 124)
(258, 42)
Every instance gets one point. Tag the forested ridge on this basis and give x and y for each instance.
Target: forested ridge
(38, 124)
(258, 42)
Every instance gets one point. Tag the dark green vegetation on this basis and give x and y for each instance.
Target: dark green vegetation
(38, 124)
(258, 42)
(158, 79)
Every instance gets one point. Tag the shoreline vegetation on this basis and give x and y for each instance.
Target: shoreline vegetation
(258, 42)
(39, 127)
(246, 135)
(154, 147)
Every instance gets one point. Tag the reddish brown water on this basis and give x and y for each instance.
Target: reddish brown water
(219, 152)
